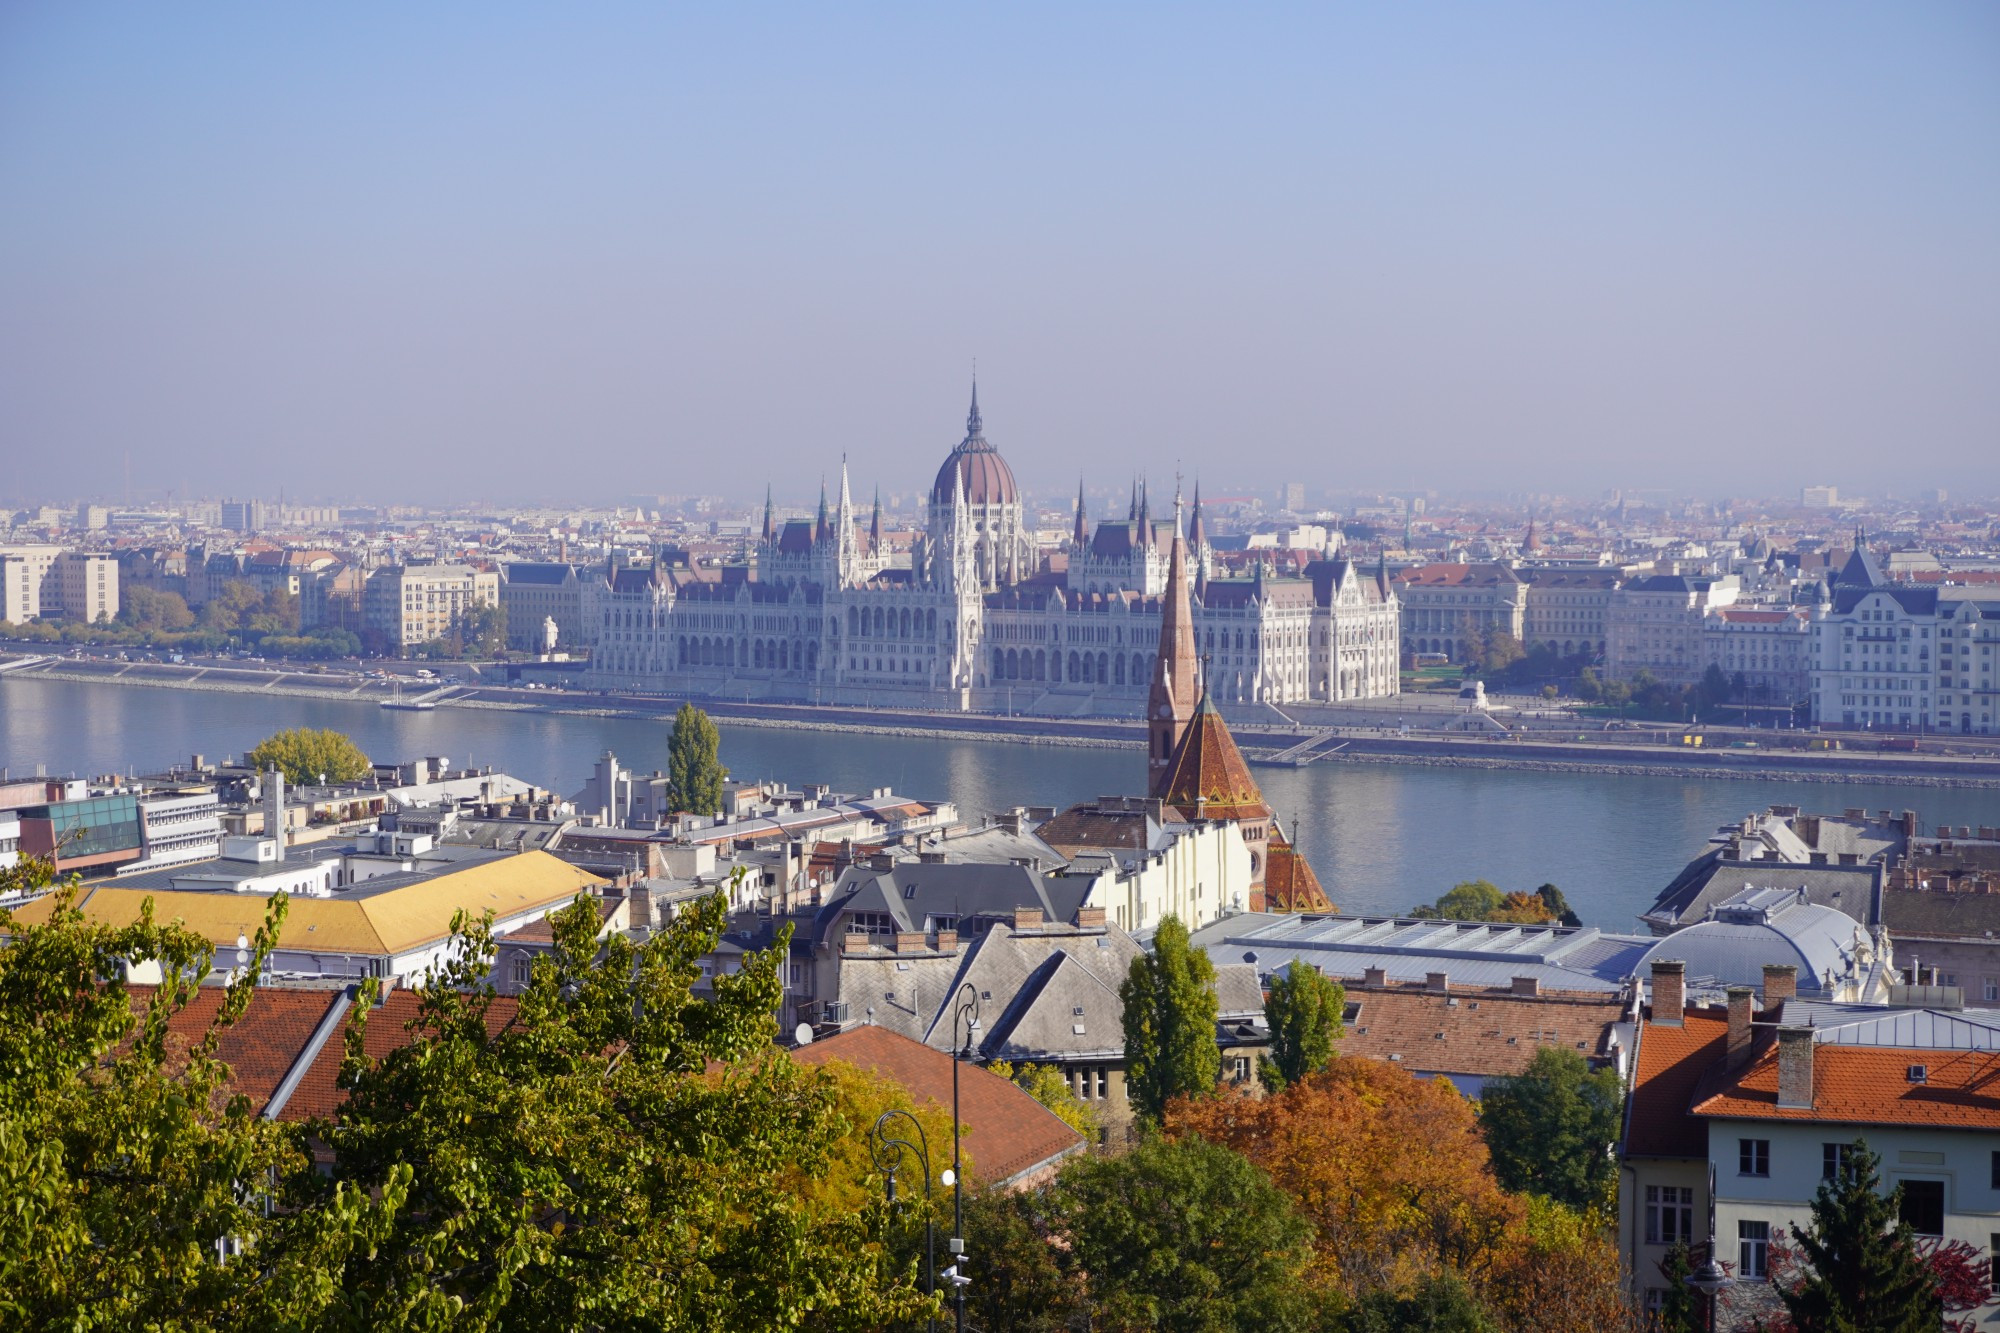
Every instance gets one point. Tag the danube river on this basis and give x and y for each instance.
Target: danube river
(1382, 836)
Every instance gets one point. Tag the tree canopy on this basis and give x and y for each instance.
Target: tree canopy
(1550, 1128)
(694, 764)
(1304, 1010)
(1184, 1236)
(607, 1152)
(1479, 900)
(1046, 1084)
(306, 756)
(1170, 1015)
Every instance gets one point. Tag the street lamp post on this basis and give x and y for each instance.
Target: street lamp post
(965, 1009)
(887, 1151)
(1711, 1279)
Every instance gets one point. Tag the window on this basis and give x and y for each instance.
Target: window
(1923, 1206)
(1992, 1250)
(1833, 1161)
(1753, 1157)
(1103, 1081)
(1753, 1249)
(1242, 1069)
(1669, 1214)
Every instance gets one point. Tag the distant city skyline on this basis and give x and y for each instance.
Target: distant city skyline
(407, 254)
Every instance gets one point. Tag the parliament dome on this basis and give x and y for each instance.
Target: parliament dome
(977, 466)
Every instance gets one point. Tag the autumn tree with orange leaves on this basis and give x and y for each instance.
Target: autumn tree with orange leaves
(1393, 1174)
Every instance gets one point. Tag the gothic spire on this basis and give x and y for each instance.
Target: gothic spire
(1197, 535)
(974, 428)
(875, 524)
(1145, 516)
(1079, 535)
(770, 518)
(820, 525)
(1176, 689)
(1132, 510)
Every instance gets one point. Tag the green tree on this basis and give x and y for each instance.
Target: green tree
(694, 766)
(482, 630)
(1184, 1236)
(152, 608)
(1859, 1268)
(1304, 1012)
(1170, 1016)
(1474, 900)
(1026, 1282)
(1502, 650)
(1682, 1309)
(136, 1185)
(303, 755)
(1559, 908)
(1438, 1304)
(619, 1153)
(1046, 1084)
(1550, 1128)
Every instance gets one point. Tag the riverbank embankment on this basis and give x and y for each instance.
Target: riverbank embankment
(1610, 754)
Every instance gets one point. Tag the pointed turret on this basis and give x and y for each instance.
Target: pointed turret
(1132, 509)
(1197, 534)
(1176, 689)
(974, 428)
(875, 525)
(1145, 517)
(770, 518)
(819, 524)
(1079, 536)
(846, 549)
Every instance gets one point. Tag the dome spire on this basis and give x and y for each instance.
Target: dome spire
(974, 428)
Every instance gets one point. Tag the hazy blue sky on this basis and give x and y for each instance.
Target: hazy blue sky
(430, 250)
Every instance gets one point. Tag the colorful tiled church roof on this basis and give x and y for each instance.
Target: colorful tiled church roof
(1289, 882)
(1207, 776)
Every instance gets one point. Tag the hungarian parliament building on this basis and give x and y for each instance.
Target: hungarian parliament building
(979, 619)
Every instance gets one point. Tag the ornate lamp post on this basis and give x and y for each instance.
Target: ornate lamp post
(1710, 1280)
(887, 1151)
(965, 1012)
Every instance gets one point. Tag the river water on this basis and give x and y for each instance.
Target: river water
(1381, 836)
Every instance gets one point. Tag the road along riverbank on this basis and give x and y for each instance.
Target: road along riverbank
(1642, 754)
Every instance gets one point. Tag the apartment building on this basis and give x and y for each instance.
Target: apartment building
(1566, 608)
(413, 604)
(1657, 623)
(1737, 1114)
(1769, 648)
(1443, 606)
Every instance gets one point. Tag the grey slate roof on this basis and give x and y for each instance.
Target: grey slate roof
(913, 892)
(1926, 912)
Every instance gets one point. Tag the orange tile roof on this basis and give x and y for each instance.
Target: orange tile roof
(259, 1048)
(1207, 776)
(1671, 1064)
(1006, 1133)
(1864, 1085)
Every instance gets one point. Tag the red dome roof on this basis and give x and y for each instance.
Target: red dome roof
(977, 466)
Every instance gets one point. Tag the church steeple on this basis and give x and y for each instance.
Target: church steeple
(1176, 689)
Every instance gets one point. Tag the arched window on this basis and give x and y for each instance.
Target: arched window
(1103, 668)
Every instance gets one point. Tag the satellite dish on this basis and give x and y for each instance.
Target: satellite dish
(803, 1034)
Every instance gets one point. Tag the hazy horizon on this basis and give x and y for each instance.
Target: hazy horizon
(422, 254)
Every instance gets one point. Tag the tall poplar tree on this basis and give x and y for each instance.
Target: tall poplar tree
(1170, 1016)
(1861, 1267)
(694, 765)
(1303, 1010)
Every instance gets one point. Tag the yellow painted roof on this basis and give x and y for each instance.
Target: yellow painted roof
(391, 922)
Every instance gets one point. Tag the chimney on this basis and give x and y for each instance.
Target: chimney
(1795, 1067)
(1669, 990)
(1437, 981)
(1374, 976)
(947, 941)
(274, 810)
(1527, 987)
(1090, 918)
(910, 941)
(1781, 983)
(1909, 823)
(641, 900)
(1027, 918)
(1738, 1048)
